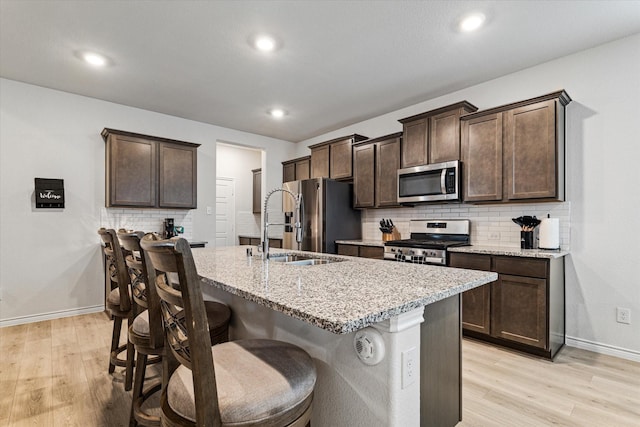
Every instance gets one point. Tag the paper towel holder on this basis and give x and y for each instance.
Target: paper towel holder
(549, 234)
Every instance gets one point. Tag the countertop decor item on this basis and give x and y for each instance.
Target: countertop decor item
(549, 234)
(527, 225)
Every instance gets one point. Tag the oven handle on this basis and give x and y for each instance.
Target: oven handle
(443, 181)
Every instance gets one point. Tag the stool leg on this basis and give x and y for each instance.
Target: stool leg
(115, 340)
(128, 379)
(138, 384)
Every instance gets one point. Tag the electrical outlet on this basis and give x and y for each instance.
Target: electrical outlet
(623, 315)
(494, 235)
(209, 210)
(410, 367)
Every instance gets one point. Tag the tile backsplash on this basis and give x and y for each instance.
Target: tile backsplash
(147, 220)
(491, 225)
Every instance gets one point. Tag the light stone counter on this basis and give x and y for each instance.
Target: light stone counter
(340, 297)
(510, 251)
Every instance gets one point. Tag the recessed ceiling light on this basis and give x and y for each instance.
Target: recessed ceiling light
(264, 43)
(94, 59)
(472, 22)
(277, 113)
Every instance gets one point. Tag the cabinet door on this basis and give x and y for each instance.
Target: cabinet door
(476, 303)
(531, 152)
(519, 310)
(482, 158)
(257, 191)
(341, 159)
(387, 165)
(364, 176)
(320, 162)
(414, 143)
(131, 172)
(302, 169)
(178, 176)
(476, 309)
(288, 172)
(444, 139)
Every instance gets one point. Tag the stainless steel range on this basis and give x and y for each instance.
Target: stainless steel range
(429, 241)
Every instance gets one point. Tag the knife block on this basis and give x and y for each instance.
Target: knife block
(394, 235)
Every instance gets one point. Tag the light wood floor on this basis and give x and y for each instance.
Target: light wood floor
(54, 373)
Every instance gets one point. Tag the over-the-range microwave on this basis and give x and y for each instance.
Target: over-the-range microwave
(429, 183)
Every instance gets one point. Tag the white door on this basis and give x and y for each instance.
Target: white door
(225, 212)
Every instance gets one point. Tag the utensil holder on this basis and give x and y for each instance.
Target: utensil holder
(526, 239)
(387, 236)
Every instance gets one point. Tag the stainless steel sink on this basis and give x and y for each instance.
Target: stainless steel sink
(300, 259)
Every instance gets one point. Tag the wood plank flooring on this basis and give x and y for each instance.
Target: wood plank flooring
(54, 373)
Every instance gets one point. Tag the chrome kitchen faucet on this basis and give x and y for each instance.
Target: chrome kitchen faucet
(297, 218)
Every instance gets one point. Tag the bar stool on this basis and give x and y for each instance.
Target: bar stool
(118, 303)
(245, 382)
(146, 332)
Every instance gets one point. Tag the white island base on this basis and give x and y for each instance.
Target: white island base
(351, 393)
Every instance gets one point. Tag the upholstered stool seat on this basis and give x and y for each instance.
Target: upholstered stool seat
(218, 316)
(257, 380)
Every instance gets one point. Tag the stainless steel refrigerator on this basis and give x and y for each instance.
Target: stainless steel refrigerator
(327, 215)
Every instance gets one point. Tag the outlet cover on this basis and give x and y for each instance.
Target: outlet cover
(410, 367)
(623, 315)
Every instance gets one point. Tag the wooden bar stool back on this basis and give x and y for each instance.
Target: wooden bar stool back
(118, 303)
(238, 383)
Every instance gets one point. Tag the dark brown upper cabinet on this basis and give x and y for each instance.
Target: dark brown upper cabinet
(149, 172)
(515, 152)
(334, 159)
(433, 136)
(375, 166)
(296, 169)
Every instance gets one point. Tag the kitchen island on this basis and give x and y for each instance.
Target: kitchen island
(324, 307)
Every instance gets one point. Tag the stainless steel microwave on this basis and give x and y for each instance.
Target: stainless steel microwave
(430, 183)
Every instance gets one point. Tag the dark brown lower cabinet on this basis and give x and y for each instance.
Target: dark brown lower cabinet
(255, 241)
(364, 251)
(523, 309)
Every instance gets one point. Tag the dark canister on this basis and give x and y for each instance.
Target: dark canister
(526, 239)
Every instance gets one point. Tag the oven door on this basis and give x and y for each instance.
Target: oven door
(429, 183)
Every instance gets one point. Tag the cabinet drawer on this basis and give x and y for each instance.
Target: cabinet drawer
(349, 250)
(470, 261)
(530, 267)
(371, 252)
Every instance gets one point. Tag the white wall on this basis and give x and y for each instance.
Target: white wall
(50, 263)
(603, 176)
(237, 163)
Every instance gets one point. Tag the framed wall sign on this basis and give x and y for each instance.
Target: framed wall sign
(49, 193)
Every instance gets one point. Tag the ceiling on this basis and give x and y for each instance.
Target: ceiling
(340, 62)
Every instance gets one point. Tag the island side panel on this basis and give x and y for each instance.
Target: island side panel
(441, 364)
(348, 392)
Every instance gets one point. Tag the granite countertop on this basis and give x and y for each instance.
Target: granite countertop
(509, 251)
(340, 297)
(378, 243)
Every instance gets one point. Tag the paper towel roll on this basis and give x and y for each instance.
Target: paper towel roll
(549, 233)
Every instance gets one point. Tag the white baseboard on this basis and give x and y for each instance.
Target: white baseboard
(600, 348)
(50, 316)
